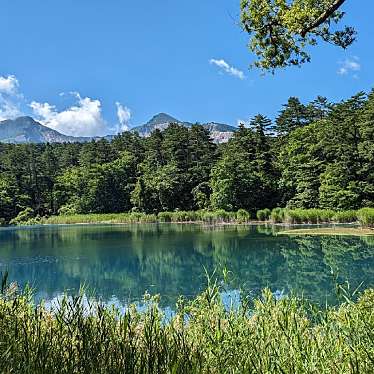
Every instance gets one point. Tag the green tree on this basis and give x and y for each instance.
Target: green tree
(281, 31)
(301, 162)
(337, 191)
(293, 115)
(238, 179)
(102, 188)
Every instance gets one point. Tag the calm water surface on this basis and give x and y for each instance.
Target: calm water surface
(120, 262)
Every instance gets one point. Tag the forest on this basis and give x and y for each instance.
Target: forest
(313, 155)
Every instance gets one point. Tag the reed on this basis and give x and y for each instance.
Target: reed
(277, 215)
(366, 217)
(268, 335)
(263, 214)
(101, 218)
(312, 216)
(243, 216)
(347, 216)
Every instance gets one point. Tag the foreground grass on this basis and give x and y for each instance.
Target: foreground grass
(272, 336)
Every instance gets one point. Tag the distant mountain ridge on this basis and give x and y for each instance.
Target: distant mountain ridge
(27, 130)
(219, 132)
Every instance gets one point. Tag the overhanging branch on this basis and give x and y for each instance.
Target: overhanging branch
(323, 17)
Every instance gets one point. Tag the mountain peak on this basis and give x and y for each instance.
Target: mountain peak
(161, 118)
(23, 119)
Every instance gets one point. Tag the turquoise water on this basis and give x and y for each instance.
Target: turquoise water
(121, 262)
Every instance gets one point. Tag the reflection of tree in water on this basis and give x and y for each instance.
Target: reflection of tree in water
(169, 259)
(310, 261)
(351, 258)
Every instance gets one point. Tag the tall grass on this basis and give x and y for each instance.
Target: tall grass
(313, 216)
(277, 215)
(366, 217)
(263, 214)
(101, 218)
(347, 216)
(211, 217)
(204, 336)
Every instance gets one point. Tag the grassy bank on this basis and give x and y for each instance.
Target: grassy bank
(268, 336)
(209, 217)
(365, 217)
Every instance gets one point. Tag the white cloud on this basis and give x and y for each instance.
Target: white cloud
(124, 116)
(9, 85)
(83, 119)
(9, 98)
(349, 65)
(223, 65)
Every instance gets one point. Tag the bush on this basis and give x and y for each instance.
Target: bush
(263, 214)
(132, 217)
(68, 210)
(312, 216)
(164, 216)
(325, 215)
(366, 217)
(277, 215)
(345, 216)
(25, 217)
(243, 216)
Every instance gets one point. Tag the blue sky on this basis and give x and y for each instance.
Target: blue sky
(76, 64)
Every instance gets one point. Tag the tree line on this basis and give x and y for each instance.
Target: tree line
(315, 155)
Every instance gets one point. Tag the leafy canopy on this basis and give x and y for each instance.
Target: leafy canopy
(282, 30)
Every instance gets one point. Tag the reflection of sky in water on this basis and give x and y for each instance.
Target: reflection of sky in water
(120, 263)
(231, 300)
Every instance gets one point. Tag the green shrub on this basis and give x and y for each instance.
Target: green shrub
(366, 217)
(263, 214)
(183, 216)
(68, 210)
(277, 215)
(325, 215)
(25, 217)
(312, 216)
(345, 216)
(243, 216)
(132, 217)
(164, 216)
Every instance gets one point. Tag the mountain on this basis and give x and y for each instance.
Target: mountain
(27, 130)
(160, 121)
(219, 132)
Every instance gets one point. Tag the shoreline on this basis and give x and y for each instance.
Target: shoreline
(304, 229)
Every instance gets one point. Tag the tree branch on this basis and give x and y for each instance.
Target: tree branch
(323, 17)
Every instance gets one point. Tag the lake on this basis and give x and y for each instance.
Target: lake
(119, 263)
